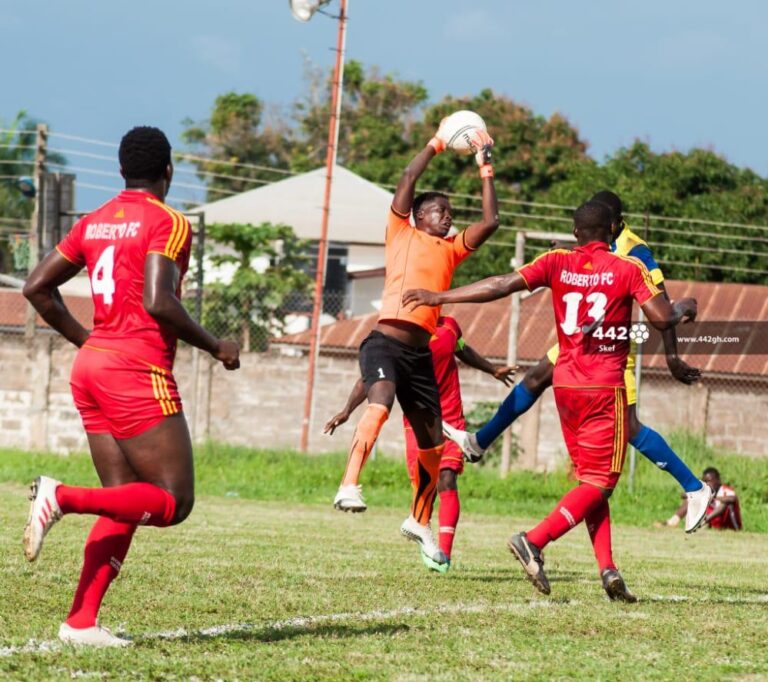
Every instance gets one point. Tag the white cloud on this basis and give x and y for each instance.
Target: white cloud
(220, 53)
(470, 25)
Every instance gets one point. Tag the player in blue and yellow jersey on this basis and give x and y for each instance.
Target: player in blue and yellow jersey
(649, 442)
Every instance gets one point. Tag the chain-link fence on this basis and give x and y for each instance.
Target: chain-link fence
(263, 404)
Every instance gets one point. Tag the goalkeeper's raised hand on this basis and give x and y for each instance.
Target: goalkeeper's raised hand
(483, 142)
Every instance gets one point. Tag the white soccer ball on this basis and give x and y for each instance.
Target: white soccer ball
(456, 131)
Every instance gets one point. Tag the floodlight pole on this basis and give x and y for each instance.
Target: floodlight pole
(322, 247)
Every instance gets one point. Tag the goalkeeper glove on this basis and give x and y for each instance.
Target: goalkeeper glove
(438, 142)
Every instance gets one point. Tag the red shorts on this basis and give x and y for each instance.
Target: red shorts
(452, 458)
(594, 427)
(121, 394)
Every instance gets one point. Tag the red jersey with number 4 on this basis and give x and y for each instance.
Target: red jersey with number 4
(113, 243)
(592, 293)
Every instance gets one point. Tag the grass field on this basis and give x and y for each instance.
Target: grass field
(257, 589)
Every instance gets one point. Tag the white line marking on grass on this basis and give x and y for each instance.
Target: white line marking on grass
(35, 646)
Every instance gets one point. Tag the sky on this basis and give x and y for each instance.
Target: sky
(674, 73)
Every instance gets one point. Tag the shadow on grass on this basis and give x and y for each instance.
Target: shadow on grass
(248, 633)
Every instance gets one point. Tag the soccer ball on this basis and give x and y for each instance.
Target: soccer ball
(456, 131)
(639, 333)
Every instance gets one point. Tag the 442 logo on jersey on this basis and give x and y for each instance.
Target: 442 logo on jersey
(638, 332)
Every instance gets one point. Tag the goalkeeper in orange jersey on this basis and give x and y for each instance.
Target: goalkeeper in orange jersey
(446, 345)
(395, 360)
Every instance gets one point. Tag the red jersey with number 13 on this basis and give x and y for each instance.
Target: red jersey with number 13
(592, 289)
(113, 243)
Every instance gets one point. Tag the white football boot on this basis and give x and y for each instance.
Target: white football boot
(349, 498)
(466, 441)
(698, 501)
(94, 636)
(44, 511)
(413, 530)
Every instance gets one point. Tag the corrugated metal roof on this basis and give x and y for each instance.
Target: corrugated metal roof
(486, 326)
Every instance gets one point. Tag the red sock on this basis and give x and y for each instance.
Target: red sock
(141, 503)
(598, 522)
(448, 517)
(569, 512)
(105, 551)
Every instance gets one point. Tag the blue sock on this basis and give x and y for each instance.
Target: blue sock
(655, 448)
(516, 403)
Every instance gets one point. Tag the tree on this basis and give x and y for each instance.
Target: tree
(17, 156)
(377, 112)
(697, 184)
(266, 282)
(537, 159)
(235, 149)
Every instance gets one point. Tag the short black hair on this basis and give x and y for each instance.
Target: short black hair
(711, 471)
(424, 197)
(611, 200)
(593, 217)
(144, 153)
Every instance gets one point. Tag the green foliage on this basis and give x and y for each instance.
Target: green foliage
(236, 134)
(697, 184)
(287, 476)
(385, 119)
(15, 160)
(377, 112)
(477, 417)
(253, 305)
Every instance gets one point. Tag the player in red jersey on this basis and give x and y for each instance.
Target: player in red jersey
(446, 345)
(723, 512)
(136, 250)
(591, 288)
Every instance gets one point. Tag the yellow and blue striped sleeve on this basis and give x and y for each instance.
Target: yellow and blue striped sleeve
(644, 255)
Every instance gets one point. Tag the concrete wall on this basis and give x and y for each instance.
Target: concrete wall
(261, 405)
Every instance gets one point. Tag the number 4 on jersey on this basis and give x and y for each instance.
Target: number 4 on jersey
(102, 281)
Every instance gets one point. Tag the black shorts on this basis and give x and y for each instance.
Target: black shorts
(383, 358)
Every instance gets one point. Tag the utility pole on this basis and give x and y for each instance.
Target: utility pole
(36, 222)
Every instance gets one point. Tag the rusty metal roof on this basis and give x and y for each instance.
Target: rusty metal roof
(486, 326)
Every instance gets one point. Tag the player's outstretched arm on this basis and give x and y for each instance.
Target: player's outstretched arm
(478, 233)
(489, 289)
(678, 368)
(161, 281)
(663, 315)
(41, 291)
(356, 396)
(471, 357)
(406, 187)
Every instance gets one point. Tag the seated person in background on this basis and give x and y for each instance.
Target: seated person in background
(723, 511)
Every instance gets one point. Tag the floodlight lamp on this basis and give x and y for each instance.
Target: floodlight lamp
(303, 10)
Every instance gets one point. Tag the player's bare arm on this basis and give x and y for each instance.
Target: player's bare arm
(161, 281)
(356, 397)
(478, 233)
(406, 187)
(489, 289)
(678, 368)
(502, 373)
(663, 314)
(41, 291)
